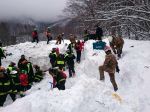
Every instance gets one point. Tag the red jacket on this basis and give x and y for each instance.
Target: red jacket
(78, 46)
(34, 34)
(23, 79)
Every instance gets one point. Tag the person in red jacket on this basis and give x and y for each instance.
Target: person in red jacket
(59, 78)
(24, 83)
(35, 36)
(78, 47)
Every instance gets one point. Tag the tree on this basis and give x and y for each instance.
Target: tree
(128, 18)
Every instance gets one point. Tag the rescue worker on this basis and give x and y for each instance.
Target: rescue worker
(5, 86)
(13, 73)
(59, 78)
(59, 38)
(38, 73)
(60, 61)
(78, 47)
(48, 35)
(21, 63)
(99, 32)
(24, 82)
(69, 58)
(2, 54)
(30, 72)
(86, 35)
(72, 38)
(53, 56)
(117, 45)
(110, 65)
(71, 46)
(35, 35)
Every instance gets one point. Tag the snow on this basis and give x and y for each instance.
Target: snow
(85, 92)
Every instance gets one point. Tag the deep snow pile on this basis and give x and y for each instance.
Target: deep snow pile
(85, 93)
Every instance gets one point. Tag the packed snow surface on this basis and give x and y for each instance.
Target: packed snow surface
(85, 92)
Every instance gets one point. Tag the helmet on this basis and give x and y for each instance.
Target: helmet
(2, 69)
(22, 56)
(53, 49)
(12, 63)
(107, 48)
(35, 29)
(36, 66)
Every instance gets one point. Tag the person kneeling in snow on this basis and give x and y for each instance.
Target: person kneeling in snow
(38, 73)
(59, 78)
(24, 83)
(110, 65)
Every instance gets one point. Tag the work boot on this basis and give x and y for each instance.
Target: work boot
(115, 88)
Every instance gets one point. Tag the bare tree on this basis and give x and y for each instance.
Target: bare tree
(128, 18)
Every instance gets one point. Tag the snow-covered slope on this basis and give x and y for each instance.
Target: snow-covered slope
(85, 93)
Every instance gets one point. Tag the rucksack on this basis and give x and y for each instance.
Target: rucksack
(63, 75)
(23, 79)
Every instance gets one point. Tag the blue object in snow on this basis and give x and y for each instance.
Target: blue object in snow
(99, 45)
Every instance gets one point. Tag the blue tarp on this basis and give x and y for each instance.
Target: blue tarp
(99, 45)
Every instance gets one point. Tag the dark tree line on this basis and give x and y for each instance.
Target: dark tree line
(9, 32)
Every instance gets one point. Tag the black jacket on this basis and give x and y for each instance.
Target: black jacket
(69, 58)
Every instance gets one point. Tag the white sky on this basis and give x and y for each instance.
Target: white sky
(40, 10)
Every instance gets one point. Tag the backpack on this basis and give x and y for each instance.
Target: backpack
(63, 75)
(23, 79)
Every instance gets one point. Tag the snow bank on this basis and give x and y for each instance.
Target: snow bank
(85, 93)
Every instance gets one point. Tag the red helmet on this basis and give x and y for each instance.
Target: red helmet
(107, 48)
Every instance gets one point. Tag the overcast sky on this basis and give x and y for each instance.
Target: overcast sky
(40, 10)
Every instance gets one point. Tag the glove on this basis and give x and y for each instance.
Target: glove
(117, 69)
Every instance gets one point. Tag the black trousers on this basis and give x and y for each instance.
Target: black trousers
(3, 98)
(61, 85)
(35, 39)
(78, 56)
(48, 39)
(71, 70)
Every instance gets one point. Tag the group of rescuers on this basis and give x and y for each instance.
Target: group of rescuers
(18, 79)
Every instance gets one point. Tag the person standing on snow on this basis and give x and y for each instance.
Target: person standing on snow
(59, 38)
(5, 86)
(48, 35)
(13, 73)
(110, 65)
(35, 35)
(69, 58)
(1, 53)
(53, 56)
(60, 61)
(78, 47)
(99, 32)
(71, 46)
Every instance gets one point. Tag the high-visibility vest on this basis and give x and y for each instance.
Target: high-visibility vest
(60, 62)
